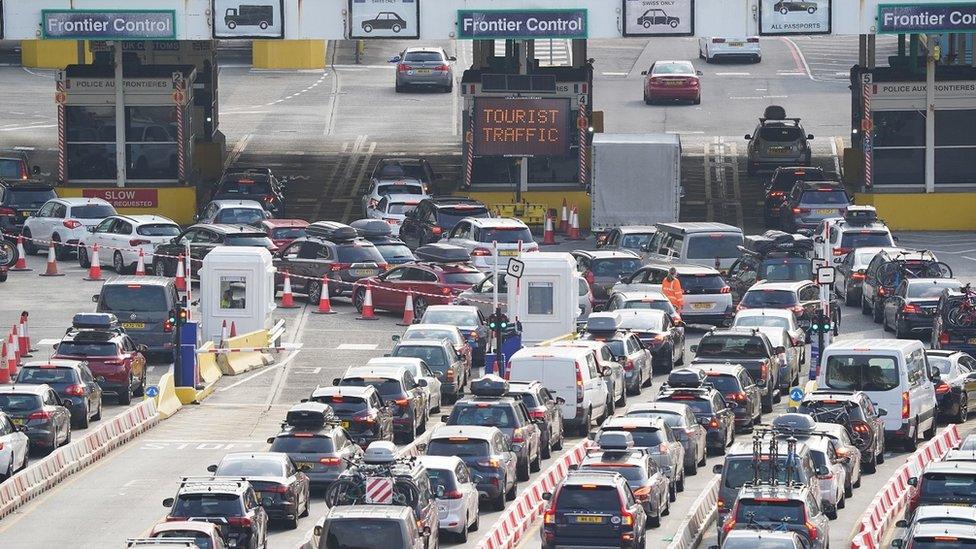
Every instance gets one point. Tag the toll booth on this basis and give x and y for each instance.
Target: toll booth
(236, 285)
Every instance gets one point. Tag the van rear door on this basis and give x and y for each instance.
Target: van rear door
(881, 376)
(558, 374)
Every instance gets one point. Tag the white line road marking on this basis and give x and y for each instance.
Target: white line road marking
(967, 257)
(357, 347)
(272, 368)
(28, 127)
(48, 341)
(614, 74)
(245, 112)
(733, 74)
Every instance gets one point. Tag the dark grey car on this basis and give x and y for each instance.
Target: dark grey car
(604, 268)
(39, 409)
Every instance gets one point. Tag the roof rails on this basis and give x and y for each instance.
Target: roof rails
(860, 215)
(332, 231)
(311, 414)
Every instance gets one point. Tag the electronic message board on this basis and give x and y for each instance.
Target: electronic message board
(521, 127)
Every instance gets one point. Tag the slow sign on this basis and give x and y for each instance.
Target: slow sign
(521, 127)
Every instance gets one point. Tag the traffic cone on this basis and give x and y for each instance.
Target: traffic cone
(233, 329)
(325, 306)
(5, 371)
(52, 264)
(23, 322)
(574, 229)
(548, 235)
(141, 264)
(21, 264)
(368, 313)
(23, 342)
(407, 311)
(95, 269)
(224, 333)
(564, 220)
(180, 275)
(12, 359)
(287, 299)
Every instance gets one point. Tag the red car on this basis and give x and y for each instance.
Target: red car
(284, 231)
(443, 280)
(115, 361)
(672, 80)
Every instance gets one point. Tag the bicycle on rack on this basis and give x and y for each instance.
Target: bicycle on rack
(350, 487)
(892, 273)
(963, 313)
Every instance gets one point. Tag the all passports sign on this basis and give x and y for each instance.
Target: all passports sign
(108, 24)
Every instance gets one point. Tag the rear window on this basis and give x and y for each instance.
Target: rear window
(471, 278)
(672, 419)
(780, 134)
(386, 387)
(285, 233)
(825, 410)
(399, 188)
(791, 511)
(200, 539)
(838, 198)
(92, 211)
(710, 246)
(10, 168)
(865, 239)
(239, 215)
(862, 373)
(363, 534)
(942, 364)
(207, 505)
(712, 283)
(740, 471)
(529, 399)
(581, 497)
(246, 186)
(732, 346)
(662, 305)
(786, 270)
(260, 241)
(460, 448)
(785, 179)
(931, 289)
(464, 317)
(392, 251)
(631, 473)
(441, 479)
(13, 404)
(132, 297)
(763, 321)
(421, 56)
(158, 229)
(724, 383)
(699, 406)
(643, 438)
(615, 267)
(941, 542)
(775, 299)
(505, 235)
(254, 467)
(635, 241)
(616, 347)
(433, 356)
(303, 445)
(359, 253)
(22, 198)
(448, 217)
(501, 416)
(401, 207)
(47, 375)
(92, 348)
(948, 487)
(344, 404)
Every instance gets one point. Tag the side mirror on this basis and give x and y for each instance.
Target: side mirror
(607, 372)
(440, 491)
(936, 375)
(895, 238)
(882, 412)
(809, 136)
(317, 531)
(560, 400)
(452, 58)
(819, 240)
(335, 381)
(913, 481)
(643, 73)
(694, 348)
(55, 346)
(168, 502)
(426, 531)
(748, 137)
(897, 542)
(395, 337)
(95, 298)
(270, 440)
(422, 447)
(699, 73)
(395, 59)
(142, 348)
(212, 468)
(574, 467)
(901, 524)
(445, 418)
(546, 496)
(717, 469)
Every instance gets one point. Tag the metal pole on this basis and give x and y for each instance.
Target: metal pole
(862, 50)
(119, 117)
(518, 289)
(930, 118)
(871, 51)
(494, 255)
(523, 178)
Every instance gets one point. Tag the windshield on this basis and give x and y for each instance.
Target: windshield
(433, 356)
(22, 198)
(421, 56)
(239, 215)
(392, 251)
(287, 233)
(931, 289)
(160, 229)
(10, 168)
(357, 533)
(674, 68)
(731, 346)
(862, 373)
(942, 364)
(791, 512)
(506, 235)
(399, 188)
(948, 487)
(302, 445)
(93, 348)
(246, 186)
(453, 317)
(865, 239)
(762, 321)
(643, 438)
(47, 375)
(786, 270)
(132, 297)
(207, 505)
(260, 241)
(344, 404)
(92, 211)
(13, 404)
(489, 416)
(634, 475)
(448, 217)
(740, 471)
(359, 253)
(252, 467)
(673, 419)
(386, 387)
(460, 448)
(830, 197)
(710, 246)
(615, 267)
(774, 299)
(584, 498)
(781, 134)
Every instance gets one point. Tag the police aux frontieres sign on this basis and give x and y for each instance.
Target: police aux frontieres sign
(109, 25)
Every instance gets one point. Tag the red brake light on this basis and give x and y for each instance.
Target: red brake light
(39, 415)
(842, 251)
(861, 427)
(537, 414)
(71, 223)
(741, 397)
(910, 308)
(589, 277)
(777, 193)
(481, 252)
(549, 517)
(78, 390)
(442, 68)
(713, 423)
(764, 370)
(8, 211)
(24, 175)
(579, 384)
(800, 210)
(239, 521)
(725, 290)
(330, 462)
(453, 494)
(943, 337)
(436, 230)
(167, 326)
(942, 388)
(138, 241)
(402, 402)
(403, 68)
(906, 405)
(626, 517)
(811, 530)
(276, 489)
(629, 365)
(857, 276)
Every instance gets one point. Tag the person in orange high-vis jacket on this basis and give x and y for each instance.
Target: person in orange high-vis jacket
(671, 287)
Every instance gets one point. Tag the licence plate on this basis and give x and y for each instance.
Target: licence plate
(508, 252)
(362, 272)
(736, 44)
(672, 83)
(589, 520)
(134, 325)
(702, 305)
(972, 341)
(345, 424)
(825, 212)
(423, 71)
(25, 215)
(17, 421)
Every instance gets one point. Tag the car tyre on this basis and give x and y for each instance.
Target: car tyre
(82, 422)
(313, 291)
(697, 100)
(880, 457)
(679, 484)
(865, 307)
(877, 314)
(622, 401)
(510, 494)
(358, 297)
(546, 449)
(870, 466)
(767, 403)
(125, 396)
(963, 413)
(584, 427)
(899, 333)
(98, 414)
(536, 463)
(638, 386)
(419, 307)
(672, 492)
(911, 442)
(395, 28)
(848, 299)
(703, 459)
(60, 250)
(118, 264)
(476, 524)
(29, 247)
(559, 443)
(522, 471)
(462, 536)
(83, 260)
(367, 28)
(930, 432)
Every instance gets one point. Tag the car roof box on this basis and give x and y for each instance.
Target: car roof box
(789, 242)
(331, 230)
(489, 385)
(95, 321)
(309, 414)
(684, 377)
(372, 228)
(603, 322)
(861, 215)
(798, 423)
(774, 112)
(380, 451)
(442, 253)
(615, 441)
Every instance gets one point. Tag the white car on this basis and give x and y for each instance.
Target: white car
(831, 474)
(456, 494)
(477, 235)
(420, 370)
(235, 212)
(400, 186)
(843, 237)
(13, 448)
(712, 48)
(393, 209)
(120, 237)
(64, 221)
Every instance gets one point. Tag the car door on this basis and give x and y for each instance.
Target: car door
(967, 367)
(94, 389)
(893, 303)
(421, 281)
(842, 274)
(16, 440)
(118, 239)
(390, 285)
(742, 276)
(42, 222)
(463, 478)
(287, 259)
(102, 235)
(433, 383)
(749, 387)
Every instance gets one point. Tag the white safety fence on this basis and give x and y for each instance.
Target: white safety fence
(702, 513)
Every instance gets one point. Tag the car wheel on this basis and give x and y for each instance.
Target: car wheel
(963, 414)
(462, 536)
(870, 466)
(83, 259)
(499, 502)
(848, 492)
(647, 100)
(672, 492)
(865, 307)
(510, 495)
(67, 436)
(140, 389)
(476, 525)
(811, 10)
(697, 100)
(911, 442)
(680, 484)
(125, 396)
(608, 409)
(558, 445)
(784, 11)
(546, 449)
(358, 298)
(691, 469)
(704, 458)
(899, 333)
(522, 471)
(419, 307)
(622, 401)
(638, 386)
(877, 313)
(82, 422)
(231, 25)
(848, 299)
(61, 252)
(880, 457)
(767, 403)
(98, 414)
(536, 463)
(29, 247)
(930, 432)
(395, 28)
(314, 292)
(263, 25)
(584, 426)
(118, 264)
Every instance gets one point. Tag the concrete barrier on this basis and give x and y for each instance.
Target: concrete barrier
(232, 364)
(565, 337)
(207, 364)
(46, 473)
(702, 513)
(167, 402)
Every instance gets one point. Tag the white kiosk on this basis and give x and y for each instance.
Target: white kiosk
(546, 297)
(236, 285)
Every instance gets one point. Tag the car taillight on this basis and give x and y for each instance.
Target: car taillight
(774, 194)
(579, 384)
(728, 526)
(882, 291)
(906, 405)
(269, 198)
(442, 68)
(403, 67)
(589, 277)
(943, 337)
(372, 203)
(517, 436)
(8, 211)
(402, 402)
(842, 251)
(78, 390)
(276, 489)
(330, 462)
(243, 522)
(725, 290)
(452, 494)
(39, 415)
(942, 388)
(642, 493)
(910, 308)
(549, 517)
(860, 427)
(114, 362)
(626, 517)
(713, 423)
(801, 210)
(828, 476)
(629, 365)
(537, 414)
(741, 397)
(24, 175)
(367, 417)
(718, 40)
(721, 503)
(492, 463)
(436, 230)
(71, 223)
(167, 326)
(336, 267)
(811, 530)
(663, 447)
(480, 252)
(857, 276)
(763, 370)
(797, 309)
(138, 241)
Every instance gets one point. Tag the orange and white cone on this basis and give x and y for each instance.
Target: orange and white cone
(564, 219)
(21, 264)
(12, 358)
(180, 275)
(224, 334)
(95, 269)
(233, 329)
(407, 311)
(368, 313)
(141, 264)
(287, 299)
(5, 370)
(325, 306)
(549, 234)
(24, 336)
(52, 264)
(574, 228)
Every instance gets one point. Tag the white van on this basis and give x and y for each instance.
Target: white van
(895, 374)
(568, 372)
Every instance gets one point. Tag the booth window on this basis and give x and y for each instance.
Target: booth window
(899, 147)
(90, 142)
(150, 142)
(540, 298)
(232, 292)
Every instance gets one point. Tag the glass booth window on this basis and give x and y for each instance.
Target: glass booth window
(233, 290)
(90, 142)
(151, 148)
(540, 298)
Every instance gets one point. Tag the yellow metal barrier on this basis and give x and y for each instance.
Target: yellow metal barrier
(536, 199)
(176, 203)
(565, 337)
(924, 211)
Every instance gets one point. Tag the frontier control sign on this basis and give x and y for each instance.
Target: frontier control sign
(926, 18)
(109, 24)
(512, 24)
(521, 127)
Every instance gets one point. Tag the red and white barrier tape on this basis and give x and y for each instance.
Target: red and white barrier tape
(290, 347)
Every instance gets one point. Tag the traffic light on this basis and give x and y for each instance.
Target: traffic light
(170, 321)
(821, 324)
(497, 321)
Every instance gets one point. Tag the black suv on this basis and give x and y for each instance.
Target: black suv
(545, 410)
(948, 332)
(377, 231)
(792, 507)
(810, 202)
(888, 269)
(18, 202)
(780, 185)
(313, 437)
(751, 349)
(434, 218)
(773, 256)
(332, 250)
(593, 508)
(202, 238)
(405, 395)
(258, 184)
(777, 141)
(740, 392)
(858, 414)
(710, 409)
(228, 502)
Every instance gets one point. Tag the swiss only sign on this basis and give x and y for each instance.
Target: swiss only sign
(926, 18)
(109, 24)
(525, 24)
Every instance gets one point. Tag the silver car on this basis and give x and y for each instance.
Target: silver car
(428, 67)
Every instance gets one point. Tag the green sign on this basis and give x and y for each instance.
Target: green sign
(108, 24)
